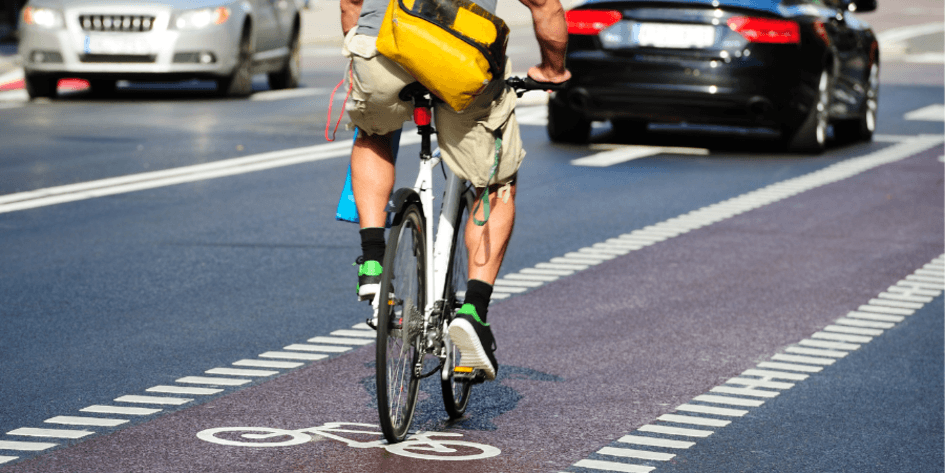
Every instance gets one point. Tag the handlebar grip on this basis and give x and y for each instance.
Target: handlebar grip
(527, 83)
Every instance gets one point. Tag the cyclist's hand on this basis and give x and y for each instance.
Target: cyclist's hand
(542, 74)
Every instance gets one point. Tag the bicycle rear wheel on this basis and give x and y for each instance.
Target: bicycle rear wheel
(400, 318)
(455, 391)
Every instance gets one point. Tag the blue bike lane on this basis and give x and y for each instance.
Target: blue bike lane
(588, 358)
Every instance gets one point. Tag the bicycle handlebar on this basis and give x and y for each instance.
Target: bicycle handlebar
(522, 85)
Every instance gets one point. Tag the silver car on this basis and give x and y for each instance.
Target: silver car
(104, 41)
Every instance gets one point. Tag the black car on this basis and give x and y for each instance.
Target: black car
(793, 66)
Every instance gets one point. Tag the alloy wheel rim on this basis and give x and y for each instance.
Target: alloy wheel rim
(872, 101)
(823, 100)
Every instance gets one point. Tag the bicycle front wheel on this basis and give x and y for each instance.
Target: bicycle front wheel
(400, 319)
(455, 391)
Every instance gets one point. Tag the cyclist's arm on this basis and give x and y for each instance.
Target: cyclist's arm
(350, 11)
(551, 30)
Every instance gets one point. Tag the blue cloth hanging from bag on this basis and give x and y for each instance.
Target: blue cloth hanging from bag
(347, 211)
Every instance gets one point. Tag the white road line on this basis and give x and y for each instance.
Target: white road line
(160, 400)
(355, 333)
(6, 458)
(268, 364)
(718, 411)
(499, 296)
(184, 390)
(271, 95)
(25, 446)
(240, 372)
(90, 421)
(931, 113)
(769, 375)
(900, 304)
(591, 255)
(729, 401)
(575, 261)
(829, 345)
(911, 290)
(340, 341)
(747, 391)
(130, 411)
(574, 267)
(931, 282)
(531, 277)
(928, 272)
(810, 360)
(613, 466)
(180, 175)
(864, 323)
(520, 282)
(213, 381)
(633, 453)
(756, 383)
(556, 272)
(509, 289)
(51, 433)
(885, 310)
(790, 367)
(319, 348)
(853, 330)
(704, 421)
(654, 442)
(880, 317)
(815, 352)
(841, 337)
(662, 429)
(629, 153)
(285, 355)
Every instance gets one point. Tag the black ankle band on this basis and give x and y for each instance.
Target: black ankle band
(478, 294)
(372, 243)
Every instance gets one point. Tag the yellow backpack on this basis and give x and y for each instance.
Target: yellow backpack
(453, 47)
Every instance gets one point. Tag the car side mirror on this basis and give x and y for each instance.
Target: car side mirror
(862, 5)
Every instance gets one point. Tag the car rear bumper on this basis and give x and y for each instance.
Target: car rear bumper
(745, 91)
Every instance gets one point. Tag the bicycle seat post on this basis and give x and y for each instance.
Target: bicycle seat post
(422, 115)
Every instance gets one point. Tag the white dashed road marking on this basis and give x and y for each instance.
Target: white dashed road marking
(802, 359)
(931, 113)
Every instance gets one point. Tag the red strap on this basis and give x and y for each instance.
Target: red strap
(332, 101)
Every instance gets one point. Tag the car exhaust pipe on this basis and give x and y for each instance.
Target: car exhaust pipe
(759, 106)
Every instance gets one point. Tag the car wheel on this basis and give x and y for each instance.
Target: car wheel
(240, 82)
(288, 76)
(38, 86)
(566, 125)
(811, 137)
(103, 87)
(862, 128)
(628, 129)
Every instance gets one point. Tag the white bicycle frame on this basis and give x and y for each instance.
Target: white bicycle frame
(437, 254)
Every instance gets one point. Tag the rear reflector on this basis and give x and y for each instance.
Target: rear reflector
(766, 30)
(591, 21)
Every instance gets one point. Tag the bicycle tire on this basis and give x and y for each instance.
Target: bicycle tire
(456, 393)
(400, 307)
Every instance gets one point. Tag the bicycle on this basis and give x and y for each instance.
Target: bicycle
(421, 446)
(423, 283)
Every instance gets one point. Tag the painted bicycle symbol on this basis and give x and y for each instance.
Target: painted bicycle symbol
(420, 445)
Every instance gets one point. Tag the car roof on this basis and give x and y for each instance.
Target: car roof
(771, 6)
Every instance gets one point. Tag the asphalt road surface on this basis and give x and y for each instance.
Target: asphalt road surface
(172, 278)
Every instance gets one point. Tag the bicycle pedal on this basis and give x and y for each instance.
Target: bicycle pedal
(469, 374)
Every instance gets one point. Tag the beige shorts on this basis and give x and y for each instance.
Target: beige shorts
(467, 139)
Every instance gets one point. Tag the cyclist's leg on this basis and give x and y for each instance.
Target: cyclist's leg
(372, 177)
(377, 111)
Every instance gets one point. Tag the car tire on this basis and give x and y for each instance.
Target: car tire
(628, 129)
(811, 136)
(41, 86)
(288, 76)
(103, 87)
(861, 128)
(240, 82)
(566, 125)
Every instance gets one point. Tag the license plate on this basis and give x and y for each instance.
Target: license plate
(664, 35)
(118, 44)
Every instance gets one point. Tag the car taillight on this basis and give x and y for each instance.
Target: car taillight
(591, 21)
(766, 30)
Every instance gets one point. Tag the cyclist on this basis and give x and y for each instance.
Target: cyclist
(467, 141)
